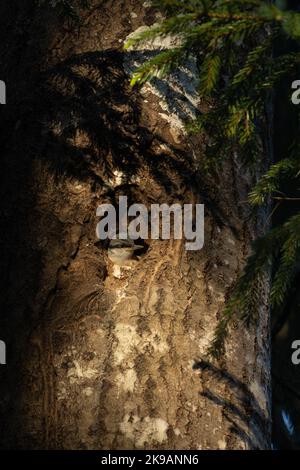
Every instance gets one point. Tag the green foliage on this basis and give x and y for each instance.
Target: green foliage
(158, 66)
(271, 180)
(223, 30)
(233, 42)
(211, 73)
(290, 21)
(289, 258)
(281, 244)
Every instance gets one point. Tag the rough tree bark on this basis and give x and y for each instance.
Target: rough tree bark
(100, 358)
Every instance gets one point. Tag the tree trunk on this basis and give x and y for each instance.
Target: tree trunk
(100, 357)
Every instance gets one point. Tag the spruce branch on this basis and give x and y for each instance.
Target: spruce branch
(269, 182)
(233, 42)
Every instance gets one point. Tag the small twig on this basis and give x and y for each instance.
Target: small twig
(272, 213)
(229, 16)
(286, 198)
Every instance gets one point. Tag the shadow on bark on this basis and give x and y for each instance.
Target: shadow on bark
(241, 409)
(90, 126)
